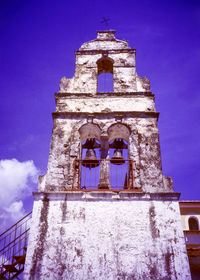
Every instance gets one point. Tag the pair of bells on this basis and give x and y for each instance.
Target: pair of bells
(91, 161)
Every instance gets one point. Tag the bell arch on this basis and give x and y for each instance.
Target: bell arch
(105, 74)
(88, 165)
(90, 139)
(118, 137)
(118, 130)
(89, 131)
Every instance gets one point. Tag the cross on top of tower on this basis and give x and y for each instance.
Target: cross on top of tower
(105, 22)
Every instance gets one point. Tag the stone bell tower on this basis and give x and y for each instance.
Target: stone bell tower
(104, 209)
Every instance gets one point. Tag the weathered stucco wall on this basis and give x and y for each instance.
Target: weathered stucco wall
(86, 70)
(105, 235)
(104, 103)
(132, 234)
(143, 148)
(131, 103)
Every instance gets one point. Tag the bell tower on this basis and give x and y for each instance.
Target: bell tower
(104, 209)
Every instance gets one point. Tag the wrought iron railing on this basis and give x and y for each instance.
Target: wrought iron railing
(104, 174)
(13, 245)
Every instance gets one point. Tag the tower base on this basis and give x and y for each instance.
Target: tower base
(106, 235)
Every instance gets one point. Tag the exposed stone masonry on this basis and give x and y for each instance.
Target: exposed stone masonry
(78, 103)
(128, 234)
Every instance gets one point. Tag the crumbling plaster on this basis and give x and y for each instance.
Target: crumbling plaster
(124, 74)
(127, 240)
(143, 149)
(102, 103)
(133, 234)
(78, 103)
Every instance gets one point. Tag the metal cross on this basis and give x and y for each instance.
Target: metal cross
(105, 21)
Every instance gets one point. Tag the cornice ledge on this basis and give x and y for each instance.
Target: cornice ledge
(106, 195)
(97, 51)
(136, 114)
(103, 94)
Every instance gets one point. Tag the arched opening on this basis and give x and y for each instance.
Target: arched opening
(118, 130)
(104, 162)
(90, 163)
(193, 223)
(87, 166)
(119, 164)
(89, 130)
(121, 167)
(105, 82)
(105, 74)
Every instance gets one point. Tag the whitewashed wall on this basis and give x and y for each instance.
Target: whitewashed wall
(105, 235)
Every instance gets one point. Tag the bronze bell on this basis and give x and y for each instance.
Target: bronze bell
(90, 160)
(117, 157)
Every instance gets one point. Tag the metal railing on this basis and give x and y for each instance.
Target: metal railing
(13, 245)
(103, 174)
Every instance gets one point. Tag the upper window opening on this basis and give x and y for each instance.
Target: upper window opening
(105, 75)
(105, 82)
(193, 224)
(105, 65)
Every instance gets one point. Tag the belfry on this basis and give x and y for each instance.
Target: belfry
(104, 209)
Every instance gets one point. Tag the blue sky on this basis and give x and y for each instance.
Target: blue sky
(38, 39)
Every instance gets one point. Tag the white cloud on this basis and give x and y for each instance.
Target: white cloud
(15, 210)
(16, 180)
